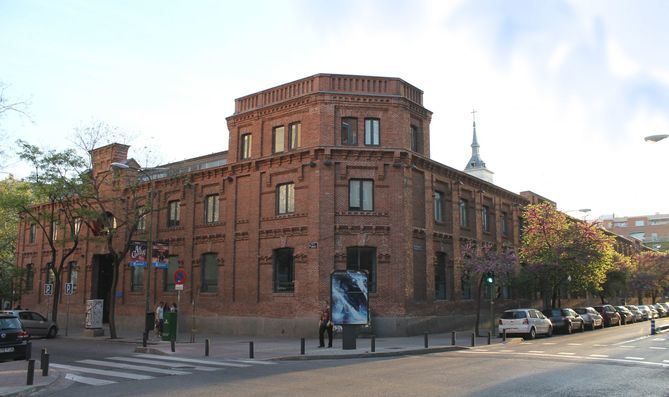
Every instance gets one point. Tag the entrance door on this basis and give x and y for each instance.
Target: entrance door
(103, 272)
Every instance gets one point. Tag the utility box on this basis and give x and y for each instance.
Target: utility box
(169, 325)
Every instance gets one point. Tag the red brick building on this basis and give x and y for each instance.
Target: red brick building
(327, 172)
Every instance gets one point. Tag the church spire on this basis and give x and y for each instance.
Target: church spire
(476, 166)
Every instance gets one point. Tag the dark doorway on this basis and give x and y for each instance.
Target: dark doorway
(101, 284)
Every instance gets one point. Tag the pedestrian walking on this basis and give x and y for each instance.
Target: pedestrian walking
(160, 319)
(325, 324)
(173, 307)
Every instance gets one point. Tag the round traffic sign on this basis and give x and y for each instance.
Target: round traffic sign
(179, 276)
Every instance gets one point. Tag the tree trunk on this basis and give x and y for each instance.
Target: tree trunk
(112, 299)
(478, 305)
(554, 295)
(56, 294)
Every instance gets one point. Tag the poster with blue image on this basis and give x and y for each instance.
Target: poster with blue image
(349, 297)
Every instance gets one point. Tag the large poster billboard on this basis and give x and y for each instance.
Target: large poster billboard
(160, 254)
(349, 298)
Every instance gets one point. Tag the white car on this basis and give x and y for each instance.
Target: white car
(530, 322)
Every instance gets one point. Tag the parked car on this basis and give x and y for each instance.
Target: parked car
(34, 323)
(590, 317)
(654, 311)
(626, 316)
(611, 316)
(13, 338)
(661, 311)
(638, 315)
(530, 322)
(565, 319)
(647, 313)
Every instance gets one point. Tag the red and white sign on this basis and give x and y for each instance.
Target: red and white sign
(179, 276)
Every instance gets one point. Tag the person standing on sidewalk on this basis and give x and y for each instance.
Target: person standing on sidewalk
(160, 319)
(325, 324)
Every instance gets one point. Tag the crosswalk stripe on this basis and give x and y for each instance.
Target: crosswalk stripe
(658, 348)
(105, 372)
(171, 364)
(191, 360)
(261, 362)
(599, 355)
(88, 381)
(134, 367)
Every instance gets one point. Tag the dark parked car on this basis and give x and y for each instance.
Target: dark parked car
(565, 320)
(638, 315)
(590, 317)
(13, 338)
(611, 316)
(626, 316)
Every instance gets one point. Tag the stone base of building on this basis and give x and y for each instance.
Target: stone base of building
(94, 332)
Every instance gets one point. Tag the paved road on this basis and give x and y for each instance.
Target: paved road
(619, 361)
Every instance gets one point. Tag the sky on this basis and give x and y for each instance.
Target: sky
(565, 91)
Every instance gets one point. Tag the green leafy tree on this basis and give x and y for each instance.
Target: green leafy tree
(618, 278)
(564, 252)
(651, 275)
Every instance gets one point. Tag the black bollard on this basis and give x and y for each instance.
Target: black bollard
(425, 340)
(31, 372)
(453, 338)
(172, 345)
(29, 350)
(145, 336)
(489, 336)
(45, 365)
(302, 346)
(250, 349)
(41, 357)
(373, 343)
(473, 339)
(206, 347)
(504, 335)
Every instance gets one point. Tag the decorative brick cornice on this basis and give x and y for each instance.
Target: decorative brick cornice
(241, 236)
(380, 230)
(207, 238)
(361, 213)
(283, 232)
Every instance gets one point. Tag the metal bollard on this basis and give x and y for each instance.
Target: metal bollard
(31, 372)
(41, 357)
(145, 337)
(172, 344)
(453, 338)
(425, 339)
(29, 350)
(206, 347)
(45, 365)
(504, 335)
(373, 343)
(302, 348)
(473, 339)
(250, 349)
(652, 326)
(489, 336)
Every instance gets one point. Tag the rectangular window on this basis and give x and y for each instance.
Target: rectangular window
(30, 276)
(438, 206)
(415, 138)
(361, 195)
(54, 230)
(211, 208)
(284, 270)
(141, 222)
(285, 198)
(440, 277)
(363, 258)
(137, 280)
(505, 224)
(639, 223)
(77, 226)
(245, 147)
(174, 215)
(294, 136)
(50, 276)
(32, 234)
(464, 222)
(349, 131)
(521, 226)
(168, 274)
(485, 220)
(278, 139)
(72, 275)
(372, 132)
(209, 282)
(466, 286)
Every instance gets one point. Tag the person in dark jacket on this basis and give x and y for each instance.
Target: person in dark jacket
(325, 324)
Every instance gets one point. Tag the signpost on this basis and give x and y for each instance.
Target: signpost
(179, 280)
(69, 289)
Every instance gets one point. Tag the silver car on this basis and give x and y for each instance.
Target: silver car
(590, 317)
(34, 323)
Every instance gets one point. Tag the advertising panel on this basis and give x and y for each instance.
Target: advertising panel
(160, 254)
(349, 297)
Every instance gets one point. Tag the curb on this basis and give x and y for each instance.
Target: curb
(29, 390)
(413, 352)
(150, 350)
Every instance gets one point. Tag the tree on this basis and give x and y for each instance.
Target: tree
(57, 183)
(618, 277)
(563, 251)
(485, 259)
(651, 275)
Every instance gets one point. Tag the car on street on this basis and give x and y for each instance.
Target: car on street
(626, 316)
(590, 317)
(34, 323)
(565, 319)
(611, 316)
(530, 322)
(647, 313)
(653, 311)
(638, 315)
(13, 338)
(661, 311)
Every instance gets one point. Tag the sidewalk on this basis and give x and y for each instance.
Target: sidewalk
(14, 374)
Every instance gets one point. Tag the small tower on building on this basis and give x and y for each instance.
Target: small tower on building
(476, 167)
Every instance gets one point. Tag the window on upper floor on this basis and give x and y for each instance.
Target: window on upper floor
(72, 275)
(278, 139)
(464, 222)
(168, 274)
(294, 135)
(32, 234)
(211, 208)
(439, 206)
(485, 218)
(54, 230)
(284, 270)
(245, 147)
(77, 226)
(414, 136)
(285, 198)
(29, 277)
(141, 221)
(349, 131)
(174, 213)
(504, 223)
(619, 224)
(361, 195)
(639, 223)
(372, 133)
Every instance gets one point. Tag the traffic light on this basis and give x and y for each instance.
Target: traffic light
(489, 278)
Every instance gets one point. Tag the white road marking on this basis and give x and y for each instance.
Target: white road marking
(191, 360)
(566, 353)
(659, 339)
(261, 362)
(599, 355)
(627, 346)
(505, 351)
(575, 344)
(536, 351)
(483, 350)
(105, 372)
(605, 359)
(88, 381)
(632, 340)
(549, 343)
(634, 358)
(144, 368)
(665, 361)
(658, 348)
(596, 345)
(170, 364)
